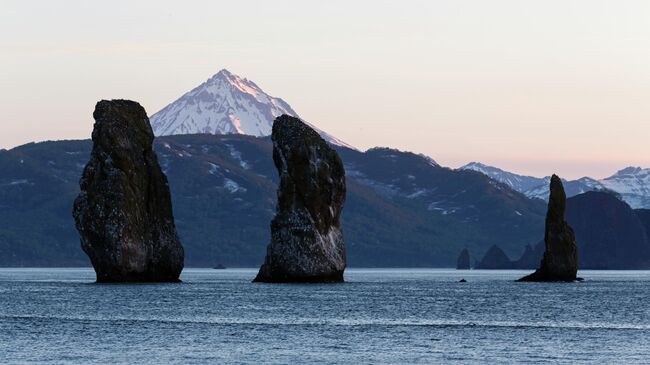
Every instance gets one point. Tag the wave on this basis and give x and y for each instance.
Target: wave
(342, 322)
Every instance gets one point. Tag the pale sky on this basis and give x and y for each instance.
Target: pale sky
(534, 87)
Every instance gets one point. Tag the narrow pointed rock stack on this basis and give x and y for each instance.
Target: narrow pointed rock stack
(306, 237)
(124, 212)
(560, 261)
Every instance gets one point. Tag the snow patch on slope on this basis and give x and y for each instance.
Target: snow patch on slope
(232, 186)
(237, 156)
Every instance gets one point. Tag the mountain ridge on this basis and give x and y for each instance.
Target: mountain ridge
(631, 183)
(402, 210)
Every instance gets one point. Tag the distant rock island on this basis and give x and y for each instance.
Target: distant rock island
(560, 261)
(306, 237)
(123, 212)
(463, 262)
(494, 259)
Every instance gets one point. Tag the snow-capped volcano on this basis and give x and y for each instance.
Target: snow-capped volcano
(225, 104)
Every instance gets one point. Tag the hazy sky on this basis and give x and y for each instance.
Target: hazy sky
(532, 86)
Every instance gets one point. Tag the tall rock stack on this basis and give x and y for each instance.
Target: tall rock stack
(306, 238)
(560, 261)
(124, 211)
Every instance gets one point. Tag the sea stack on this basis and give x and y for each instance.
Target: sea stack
(494, 259)
(124, 212)
(306, 237)
(560, 261)
(463, 260)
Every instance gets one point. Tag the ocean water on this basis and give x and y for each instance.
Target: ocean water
(54, 316)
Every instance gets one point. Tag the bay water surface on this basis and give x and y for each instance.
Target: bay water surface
(379, 316)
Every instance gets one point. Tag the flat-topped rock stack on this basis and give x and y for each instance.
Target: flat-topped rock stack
(560, 261)
(124, 212)
(306, 238)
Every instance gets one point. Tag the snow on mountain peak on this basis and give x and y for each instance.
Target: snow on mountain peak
(241, 84)
(477, 166)
(517, 182)
(632, 183)
(630, 171)
(225, 104)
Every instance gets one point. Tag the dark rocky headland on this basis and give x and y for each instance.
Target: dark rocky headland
(306, 238)
(124, 212)
(560, 261)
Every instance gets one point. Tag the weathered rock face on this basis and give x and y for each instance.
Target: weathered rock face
(306, 237)
(463, 260)
(560, 261)
(124, 211)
